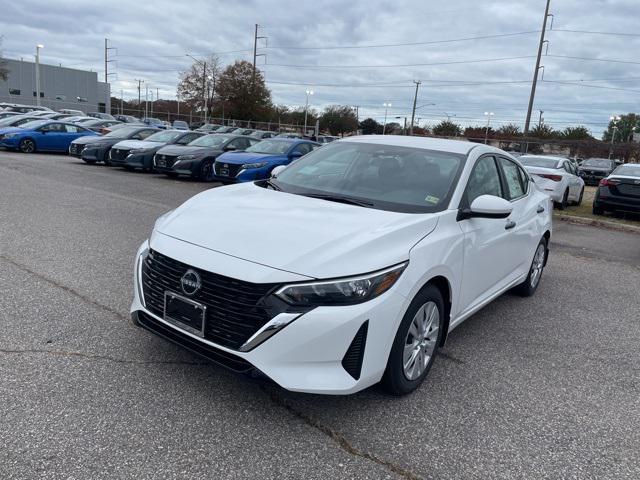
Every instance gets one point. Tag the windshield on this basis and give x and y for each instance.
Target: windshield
(539, 162)
(597, 162)
(210, 141)
(271, 147)
(400, 179)
(34, 124)
(122, 132)
(14, 122)
(629, 170)
(163, 137)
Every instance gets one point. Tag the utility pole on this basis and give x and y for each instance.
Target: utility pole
(357, 107)
(106, 59)
(535, 78)
(255, 53)
(146, 101)
(121, 102)
(415, 99)
(139, 98)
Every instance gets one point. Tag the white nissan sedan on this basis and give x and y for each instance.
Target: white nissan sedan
(347, 268)
(557, 177)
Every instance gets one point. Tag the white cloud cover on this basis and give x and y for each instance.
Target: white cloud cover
(152, 40)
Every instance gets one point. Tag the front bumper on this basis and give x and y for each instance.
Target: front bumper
(306, 355)
(246, 175)
(180, 167)
(593, 179)
(96, 154)
(9, 143)
(135, 160)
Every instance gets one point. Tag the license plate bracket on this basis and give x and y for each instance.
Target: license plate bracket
(224, 172)
(184, 313)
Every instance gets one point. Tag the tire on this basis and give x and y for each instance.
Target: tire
(90, 162)
(597, 210)
(206, 171)
(171, 174)
(27, 146)
(579, 202)
(530, 285)
(417, 339)
(565, 200)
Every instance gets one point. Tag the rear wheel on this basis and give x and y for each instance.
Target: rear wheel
(579, 202)
(597, 210)
(530, 285)
(416, 343)
(27, 146)
(565, 200)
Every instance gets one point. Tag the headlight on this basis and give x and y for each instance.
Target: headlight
(345, 291)
(187, 157)
(254, 165)
(139, 150)
(10, 135)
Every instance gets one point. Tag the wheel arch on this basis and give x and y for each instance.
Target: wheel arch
(547, 237)
(443, 284)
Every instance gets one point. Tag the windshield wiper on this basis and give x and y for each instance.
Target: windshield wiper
(272, 185)
(339, 199)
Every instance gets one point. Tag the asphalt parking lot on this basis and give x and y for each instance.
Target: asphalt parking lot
(545, 387)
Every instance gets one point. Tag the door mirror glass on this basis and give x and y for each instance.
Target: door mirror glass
(277, 170)
(230, 148)
(488, 206)
(295, 154)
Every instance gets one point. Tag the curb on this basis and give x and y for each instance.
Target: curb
(621, 227)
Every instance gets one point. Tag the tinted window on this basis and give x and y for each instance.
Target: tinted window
(143, 134)
(273, 147)
(163, 137)
(188, 138)
(123, 132)
(629, 170)
(212, 140)
(484, 180)
(386, 177)
(515, 187)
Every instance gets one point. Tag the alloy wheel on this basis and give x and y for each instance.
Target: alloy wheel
(537, 266)
(27, 146)
(420, 342)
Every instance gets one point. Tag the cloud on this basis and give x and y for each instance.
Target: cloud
(152, 40)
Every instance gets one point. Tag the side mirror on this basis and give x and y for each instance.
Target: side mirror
(277, 170)
(295, 155)
(487, 206)
(229, 148)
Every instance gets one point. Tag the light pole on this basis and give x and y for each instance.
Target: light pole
(615, 119)
(486, 130)
(384, 125)
(38, 47)
(404, 129)
(306, 107)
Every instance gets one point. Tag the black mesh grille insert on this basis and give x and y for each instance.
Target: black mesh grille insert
(233, 169)
(235, 308)
(352, 360)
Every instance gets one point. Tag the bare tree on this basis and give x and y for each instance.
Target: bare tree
(200, 82)
(4, 71)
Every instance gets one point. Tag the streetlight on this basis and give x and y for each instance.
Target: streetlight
(486, 131)
(38, 47)
(386, 107)
(306, 107)
(615, 119)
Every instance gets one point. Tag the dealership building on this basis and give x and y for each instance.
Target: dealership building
(60, 87)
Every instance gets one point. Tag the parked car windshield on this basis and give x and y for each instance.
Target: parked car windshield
(543, 162)
(122, 132)
(34, 124)
(163, 137)
(210, 141)
(272, 147)
(629, 170)
(14, 122)
(597, 162)
(401, 179)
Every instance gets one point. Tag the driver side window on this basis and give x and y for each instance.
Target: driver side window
(484, 180)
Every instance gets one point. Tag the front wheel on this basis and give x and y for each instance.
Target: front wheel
(416, 343)
(597, 210)
(27, 146)
(206, 171)
(530, 285)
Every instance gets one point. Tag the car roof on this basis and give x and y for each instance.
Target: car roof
(427, 143)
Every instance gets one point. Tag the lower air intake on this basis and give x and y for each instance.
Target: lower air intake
(352, 360)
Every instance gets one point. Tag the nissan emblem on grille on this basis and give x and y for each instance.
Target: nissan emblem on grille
(190, 282)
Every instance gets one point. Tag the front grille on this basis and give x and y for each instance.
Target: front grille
(164, 161)
(76, 149)
(235, 309)
(352, 360)
(231, 167)
(119, 154)
(213, 354)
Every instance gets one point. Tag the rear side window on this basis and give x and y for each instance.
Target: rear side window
(514, 179)
(484, 180)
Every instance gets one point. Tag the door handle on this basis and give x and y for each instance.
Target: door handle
(540, 209)
(509, 225)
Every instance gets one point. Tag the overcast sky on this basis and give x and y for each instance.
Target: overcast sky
(463, 78)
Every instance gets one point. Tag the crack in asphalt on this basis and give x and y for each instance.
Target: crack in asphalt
(91, 356)
(340, 440)
(67, 289)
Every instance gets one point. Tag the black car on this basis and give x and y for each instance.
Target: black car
(196, 159)
(99, 125)
(135, 153)
(593, 170)
(620, 191)
(96, 149)
(261, 134)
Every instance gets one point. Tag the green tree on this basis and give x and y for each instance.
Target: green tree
(339, 119)
(447, 128)
(370, 127)
(193, 87)
(476, 132)
(576, 133)
(543, 131)
(245, 97)
(509, 130)
(624, 128)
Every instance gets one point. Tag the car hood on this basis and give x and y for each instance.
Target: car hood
(307, 236)
(131, 144)
(246, 157)
(88, 139)
(9, 130)
(187, 150)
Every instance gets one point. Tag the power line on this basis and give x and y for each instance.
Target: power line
(592, 86)
(432, 42)
(615, 34)
(590, 59)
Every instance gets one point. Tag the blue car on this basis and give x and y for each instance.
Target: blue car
(43, 135)
(257, 161)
